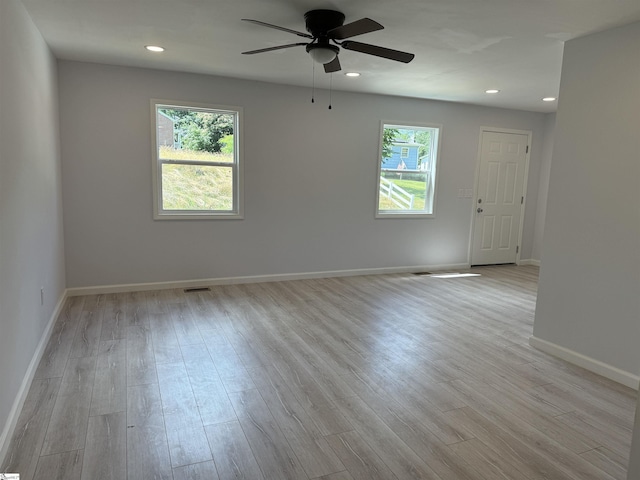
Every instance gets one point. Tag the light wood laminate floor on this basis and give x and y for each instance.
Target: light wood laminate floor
(360, 378)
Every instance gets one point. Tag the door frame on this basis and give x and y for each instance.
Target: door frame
(474, 202)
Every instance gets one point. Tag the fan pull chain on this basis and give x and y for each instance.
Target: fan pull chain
(330, 88)
(313, 82)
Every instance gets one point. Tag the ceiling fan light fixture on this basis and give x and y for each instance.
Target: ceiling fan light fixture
(323, 53)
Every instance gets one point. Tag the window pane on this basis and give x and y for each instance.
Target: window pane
(197, 187)
(402, 191)
(197, 161)
(407, 169)
(187, 134)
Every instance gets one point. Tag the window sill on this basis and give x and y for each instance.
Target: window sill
(198, 216)
(408, 215)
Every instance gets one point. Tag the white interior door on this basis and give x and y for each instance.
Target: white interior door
(500, 198)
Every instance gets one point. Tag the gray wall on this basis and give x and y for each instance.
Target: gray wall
(543, 184)
(310, 176)
(588, 299)
(31, 241)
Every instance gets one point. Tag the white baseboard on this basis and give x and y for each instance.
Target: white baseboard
(529, 261)
(18, 403)
(596, 366)
(139, 287)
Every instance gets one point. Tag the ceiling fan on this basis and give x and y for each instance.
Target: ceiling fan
(328, 33)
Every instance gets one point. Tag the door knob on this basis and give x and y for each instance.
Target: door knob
(479, 210)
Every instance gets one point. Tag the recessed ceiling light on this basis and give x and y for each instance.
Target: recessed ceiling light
(549, 99)
(154, 48)
(492, 90)
(352, 74)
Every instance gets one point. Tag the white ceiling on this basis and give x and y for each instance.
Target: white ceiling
(462, 47)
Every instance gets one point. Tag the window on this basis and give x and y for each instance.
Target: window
(197, 164)
(407, 170)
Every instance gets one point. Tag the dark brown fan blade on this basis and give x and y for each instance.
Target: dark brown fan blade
(396, 55)
(364, 25)
(295, 32)
(332, 66)
(251, 52)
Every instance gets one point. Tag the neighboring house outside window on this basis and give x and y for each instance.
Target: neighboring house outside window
(197, 161)
(166, 129)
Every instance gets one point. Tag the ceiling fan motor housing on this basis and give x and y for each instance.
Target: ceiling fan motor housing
(319, 22)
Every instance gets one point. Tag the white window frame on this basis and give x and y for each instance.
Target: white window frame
(404, 152)
(237, 212)
(436, 150)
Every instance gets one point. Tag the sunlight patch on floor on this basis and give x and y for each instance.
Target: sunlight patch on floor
(454, 275)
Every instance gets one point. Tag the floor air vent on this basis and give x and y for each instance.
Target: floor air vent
(196, 289)
(422, 273)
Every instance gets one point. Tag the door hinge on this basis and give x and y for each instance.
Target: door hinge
(521, 200)
(527, 149)
(517, 248)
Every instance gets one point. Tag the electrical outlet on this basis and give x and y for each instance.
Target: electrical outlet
(42, 296)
